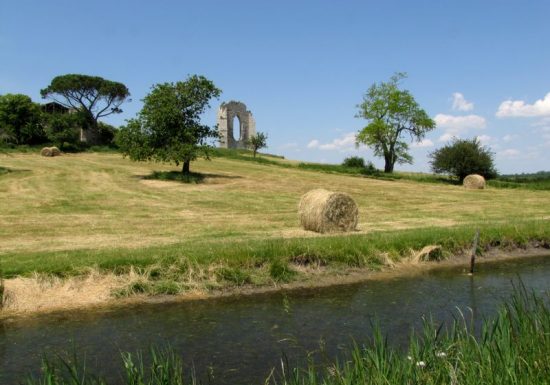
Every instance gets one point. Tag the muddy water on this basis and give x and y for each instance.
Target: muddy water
(239, 340)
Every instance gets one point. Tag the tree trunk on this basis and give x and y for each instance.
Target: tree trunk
(388, 164)
(185, 168)
(255, 153)
(89, 133)
(90, 136)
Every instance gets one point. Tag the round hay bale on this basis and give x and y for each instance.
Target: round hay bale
(326, 211)
(474, 181)
(55, 151)
(46, 151)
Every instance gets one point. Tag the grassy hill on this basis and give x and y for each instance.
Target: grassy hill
(61, 215)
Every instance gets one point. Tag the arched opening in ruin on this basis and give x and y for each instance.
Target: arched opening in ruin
(236, 129)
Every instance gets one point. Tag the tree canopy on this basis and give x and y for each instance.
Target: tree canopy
(463, 157)
(256, 142)
(20, 120)
(168, 127)
(94, 96)
(392, 113)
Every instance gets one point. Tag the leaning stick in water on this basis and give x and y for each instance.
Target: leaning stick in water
(474, 251)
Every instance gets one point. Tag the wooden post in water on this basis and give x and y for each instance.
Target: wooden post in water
(474, 251)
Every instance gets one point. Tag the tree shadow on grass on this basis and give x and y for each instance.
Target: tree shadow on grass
(193, 177)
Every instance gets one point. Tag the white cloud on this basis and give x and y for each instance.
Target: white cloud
(446, 137)
(422, 144)
(345, 142)
(509, 137)
(313, 144)
(460, 103)
(518, 108)
(484, 139)
(509, 153)
(460, 123)
(455, 125)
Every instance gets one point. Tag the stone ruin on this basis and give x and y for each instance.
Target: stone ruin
(234, 118)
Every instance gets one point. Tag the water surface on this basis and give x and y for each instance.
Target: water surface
(238, 340)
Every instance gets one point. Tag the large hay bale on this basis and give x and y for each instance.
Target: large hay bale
(46, 151)
(326, 211)
(474, 181)
(55, 151)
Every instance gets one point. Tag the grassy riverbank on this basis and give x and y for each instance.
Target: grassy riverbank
(98, 212)
(513, 348)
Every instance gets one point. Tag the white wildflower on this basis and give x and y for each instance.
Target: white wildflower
(441, 354)
(421, 364)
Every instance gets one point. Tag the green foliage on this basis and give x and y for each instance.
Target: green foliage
(107, 134)
(392, 113)
(63, 130)
(354, 161)
(168, 128)
(93, 96)
(281, 272)
(511, 348)
(462, 157)
(20, 120)
(234, 275)
(165, 368)
(256, 142)
(359, 163)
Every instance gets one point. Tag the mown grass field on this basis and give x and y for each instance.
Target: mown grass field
(98, 209)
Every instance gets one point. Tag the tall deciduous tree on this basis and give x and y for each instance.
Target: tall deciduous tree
(256, 142)
(392, 113)
(94, 96)
(168, 127)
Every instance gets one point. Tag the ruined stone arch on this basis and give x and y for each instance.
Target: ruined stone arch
(227, 113)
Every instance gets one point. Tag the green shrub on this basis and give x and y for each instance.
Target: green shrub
(462, 158)
(20, 120)
(281, 272)
(354, 161)
(63, 130)
(107, 134)
(370, 169)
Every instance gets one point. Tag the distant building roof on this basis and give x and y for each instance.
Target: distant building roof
(54, 107)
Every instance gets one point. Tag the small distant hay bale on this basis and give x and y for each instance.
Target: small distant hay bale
(326, 211)
(50, 151)
(55, 151)
(46, 151)
(474, 181)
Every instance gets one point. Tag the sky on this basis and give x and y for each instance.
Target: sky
(479, 68)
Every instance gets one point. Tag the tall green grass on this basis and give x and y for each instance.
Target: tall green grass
(512, 348)
(165, 368)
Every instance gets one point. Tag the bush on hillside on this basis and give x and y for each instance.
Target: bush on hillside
(354, 161)
(463, 157)
(357, 162)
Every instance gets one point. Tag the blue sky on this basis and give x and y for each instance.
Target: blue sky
(479, 68)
